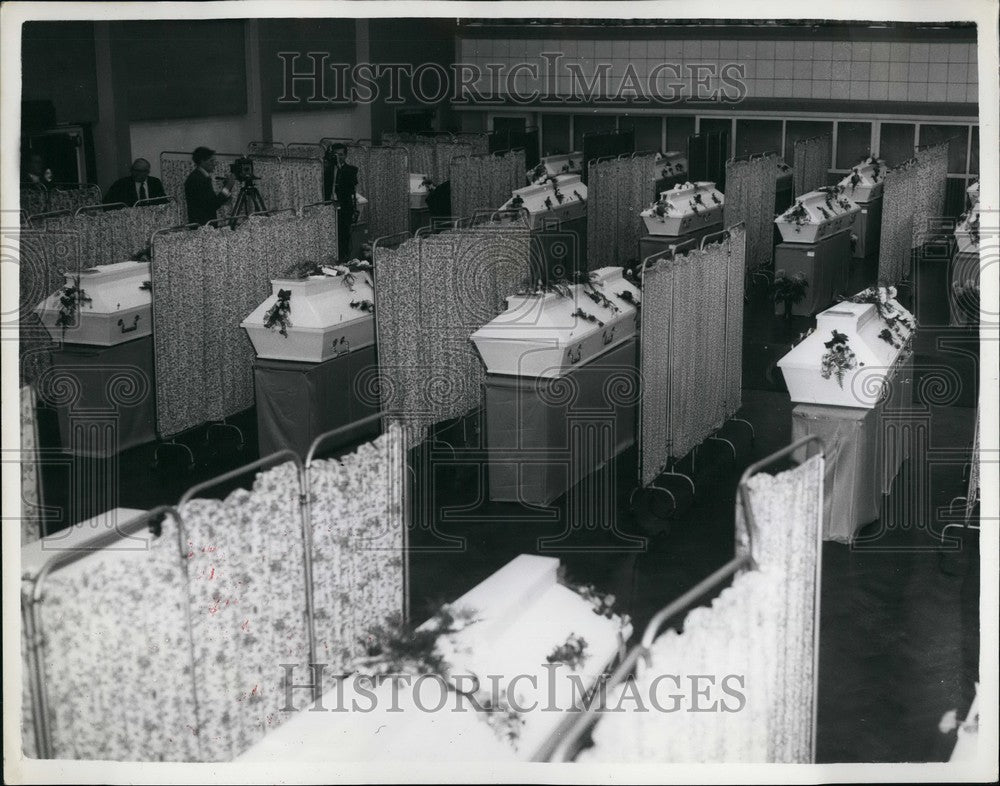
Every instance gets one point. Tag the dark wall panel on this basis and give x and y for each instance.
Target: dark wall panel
(179, 69)
(58, 65)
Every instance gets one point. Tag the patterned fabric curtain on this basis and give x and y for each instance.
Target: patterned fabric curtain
(139, 704)
(972, 492)
(31, 480)
(788, 515)
(601, 214)
(73, 198)
(431, 293)
(34, 199)
(173, 172)
(179, 331)
(288, 182)
(897, 232)
(617, 191)
(388, 191)
(421, 156)
(690, 349)
(199, 634)
(204, 284)
(444, 152)
(303, 150)
(46, 253)
(479, 141)
(266, 149)
(357, 541)
(246, 578)
(750, 184)
(811, 164)
(931, 177)
(761, 627)
(482, 184)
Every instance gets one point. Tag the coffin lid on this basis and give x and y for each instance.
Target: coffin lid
(550, 315)
(813, 201)
(317, 301)
(861, 324)
(681, 196)
(110, 288)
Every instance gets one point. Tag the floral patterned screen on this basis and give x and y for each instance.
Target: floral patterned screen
(180, 641)
(31, 481)
(357, 539)
(387, 187)
(484, 183)
(205, 283)
(750, 184)
(690, 349)
(431, 294)
(912, 199)
(811, 163)
(617, 191)
(761, 627)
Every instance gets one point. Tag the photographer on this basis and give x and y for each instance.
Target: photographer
(202, 200)
(341, 180)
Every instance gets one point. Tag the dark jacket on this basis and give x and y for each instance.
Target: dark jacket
(202, 201)
(346, 186)
(123, 190)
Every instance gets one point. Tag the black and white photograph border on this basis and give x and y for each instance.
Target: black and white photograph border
(500, 391)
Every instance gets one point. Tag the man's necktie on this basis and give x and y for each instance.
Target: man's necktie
(142, 191)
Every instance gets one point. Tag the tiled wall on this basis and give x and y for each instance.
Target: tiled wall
(844, 70)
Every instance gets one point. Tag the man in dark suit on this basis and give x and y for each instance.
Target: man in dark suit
(340, 180)
(202, 199)
(138, 185)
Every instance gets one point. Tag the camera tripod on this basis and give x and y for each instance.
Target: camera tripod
(248, 200)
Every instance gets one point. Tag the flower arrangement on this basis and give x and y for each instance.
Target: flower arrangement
(661, 207)
(629, 298)
(71, 300)
(428, 184)
(599, 297)
(838, 359)
(279, 314)
(789, 290)
(304, 269)
(363, 305)
(571, 652)
(146, 286)
(589, 317)
(516, 202)
(898, 327)
(399, 647)
(855, 179)
(797, 215)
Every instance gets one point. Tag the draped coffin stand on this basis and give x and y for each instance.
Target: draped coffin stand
(560, 391)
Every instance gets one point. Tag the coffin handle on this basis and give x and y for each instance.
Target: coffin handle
(135, 324)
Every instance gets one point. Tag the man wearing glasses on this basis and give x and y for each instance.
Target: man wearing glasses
(136, 186)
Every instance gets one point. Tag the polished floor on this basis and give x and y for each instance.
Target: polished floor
(899, 623)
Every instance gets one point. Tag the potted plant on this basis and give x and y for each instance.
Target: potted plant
(789, 290)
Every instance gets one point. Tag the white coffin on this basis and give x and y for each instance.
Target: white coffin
(119, 310)
(561, 164)
(542, 202)
(825, 213)
(324, 324)
(418, 191)
(671, 163)
(864, 385)
(684, 208)
(539, 336)
(864, 183)
(522, 613)
(967, 231)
